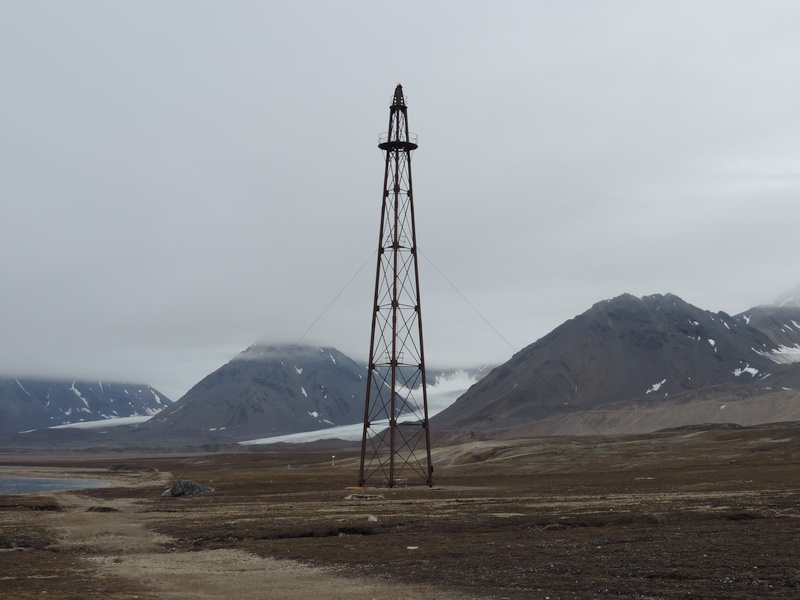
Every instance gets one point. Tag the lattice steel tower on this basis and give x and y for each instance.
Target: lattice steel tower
(396, 439)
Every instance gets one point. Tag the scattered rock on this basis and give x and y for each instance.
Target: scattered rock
(364, 497)
(183, 487)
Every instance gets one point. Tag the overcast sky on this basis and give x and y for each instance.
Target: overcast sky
(180, 179)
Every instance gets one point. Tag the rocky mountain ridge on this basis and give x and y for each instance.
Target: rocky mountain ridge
(657, 348)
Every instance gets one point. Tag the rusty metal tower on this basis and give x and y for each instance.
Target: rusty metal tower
(396, 440)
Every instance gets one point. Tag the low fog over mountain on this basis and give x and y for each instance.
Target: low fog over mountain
(626, 365)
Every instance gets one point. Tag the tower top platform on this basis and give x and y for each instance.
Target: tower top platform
(384, 143)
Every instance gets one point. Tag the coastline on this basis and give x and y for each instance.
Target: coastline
(16, 485)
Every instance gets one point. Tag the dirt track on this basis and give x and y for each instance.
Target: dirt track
(710, 514)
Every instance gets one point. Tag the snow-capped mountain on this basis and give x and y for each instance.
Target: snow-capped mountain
(270, 390)
(35, 403)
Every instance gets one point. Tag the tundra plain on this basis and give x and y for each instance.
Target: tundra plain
(707, 512)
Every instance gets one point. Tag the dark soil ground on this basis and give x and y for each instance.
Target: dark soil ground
(689, 514)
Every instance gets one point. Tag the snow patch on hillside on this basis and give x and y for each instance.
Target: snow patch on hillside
(783, 355)
(748, 369)
(78, 394)
(23, 389)
(656, 386)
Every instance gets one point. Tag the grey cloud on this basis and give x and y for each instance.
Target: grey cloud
(178, 180)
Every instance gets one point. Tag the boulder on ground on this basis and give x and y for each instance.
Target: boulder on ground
(183, 487)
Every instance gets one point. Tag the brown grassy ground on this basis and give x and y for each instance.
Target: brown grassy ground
(711, 514)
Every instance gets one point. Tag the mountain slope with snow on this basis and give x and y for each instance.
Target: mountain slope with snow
(621, 349)
(269, 390)
(36, 403)
(780, 322)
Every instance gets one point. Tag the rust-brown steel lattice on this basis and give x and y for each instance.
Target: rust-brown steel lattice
(395, 443)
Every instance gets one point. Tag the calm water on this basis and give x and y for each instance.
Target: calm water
(27, 485)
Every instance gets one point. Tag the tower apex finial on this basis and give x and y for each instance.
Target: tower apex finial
(399, 99)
